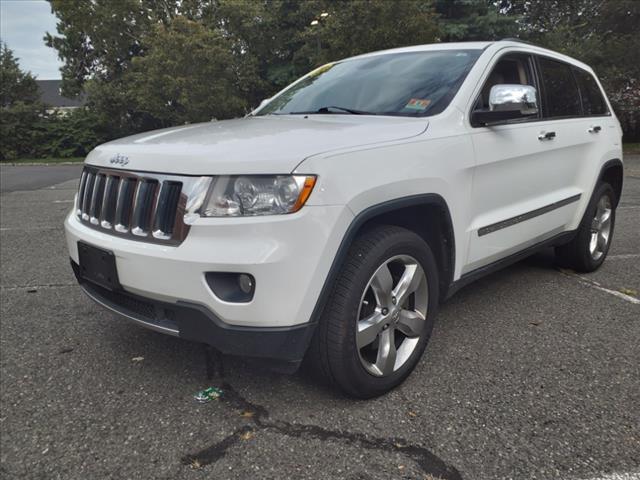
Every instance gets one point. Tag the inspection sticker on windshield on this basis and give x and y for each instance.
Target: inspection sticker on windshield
(417, 104)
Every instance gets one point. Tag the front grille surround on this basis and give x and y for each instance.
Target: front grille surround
(140, 206)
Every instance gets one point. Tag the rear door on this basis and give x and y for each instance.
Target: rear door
(525, 187)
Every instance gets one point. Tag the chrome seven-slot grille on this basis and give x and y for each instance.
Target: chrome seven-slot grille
(139, 206)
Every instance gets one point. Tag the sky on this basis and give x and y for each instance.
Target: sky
(23, 24)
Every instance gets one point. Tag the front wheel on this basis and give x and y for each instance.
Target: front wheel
(380, 314)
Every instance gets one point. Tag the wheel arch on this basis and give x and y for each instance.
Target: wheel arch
(612, 172)
(427, 215)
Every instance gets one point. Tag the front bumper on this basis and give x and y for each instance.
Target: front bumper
(197, 323)
(289, 256)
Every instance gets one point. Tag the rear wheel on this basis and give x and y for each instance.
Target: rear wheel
(588, 249)
(379, 316)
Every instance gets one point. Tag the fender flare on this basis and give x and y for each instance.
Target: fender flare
(615, 162)
(427, 199)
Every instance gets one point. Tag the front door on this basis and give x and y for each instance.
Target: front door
(524, 189)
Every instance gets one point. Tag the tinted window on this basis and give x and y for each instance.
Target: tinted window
(593, 102)
(407, 84)
(561, 91)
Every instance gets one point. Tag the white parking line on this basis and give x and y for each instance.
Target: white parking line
(623, 256)
(597, 286)
(618, 476)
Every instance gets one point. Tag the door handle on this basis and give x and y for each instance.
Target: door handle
(594, 129)
(546, 136)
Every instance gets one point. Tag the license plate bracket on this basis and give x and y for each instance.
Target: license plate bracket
(98, 266)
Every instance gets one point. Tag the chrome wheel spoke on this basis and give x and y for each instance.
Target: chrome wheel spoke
(604, 220)
(601, 228)
(385, 310)
(368, 329)
(381, 284)
(386, 360)
(408, 283)
(410, 323)
(601, 242)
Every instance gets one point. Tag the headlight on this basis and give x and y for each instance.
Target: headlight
(248, 195)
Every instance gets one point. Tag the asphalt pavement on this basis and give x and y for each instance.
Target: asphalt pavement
(531, 373)
(34, 177)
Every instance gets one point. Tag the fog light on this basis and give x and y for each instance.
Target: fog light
(246, 283)
(231, 287)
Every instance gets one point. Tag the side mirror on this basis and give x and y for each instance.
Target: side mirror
(507, 102)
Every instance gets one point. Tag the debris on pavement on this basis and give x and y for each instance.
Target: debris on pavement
(208, 394)
(137, 359)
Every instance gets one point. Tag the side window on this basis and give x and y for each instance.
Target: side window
(512, 69)
(561, 91)
(593, 103)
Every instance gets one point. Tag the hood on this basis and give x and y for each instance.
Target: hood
(251, 145)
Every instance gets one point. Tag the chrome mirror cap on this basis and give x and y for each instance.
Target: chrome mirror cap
(510, 98)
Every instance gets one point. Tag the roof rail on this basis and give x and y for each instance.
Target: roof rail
(519, 40)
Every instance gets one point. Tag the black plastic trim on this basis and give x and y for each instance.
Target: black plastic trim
(494, 227)
(360, 220)
(474, 275)
(615, 162)
(197, 323)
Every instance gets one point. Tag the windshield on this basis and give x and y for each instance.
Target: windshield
(403, 84)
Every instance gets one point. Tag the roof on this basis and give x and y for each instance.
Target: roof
(505, 42)
(50, 94)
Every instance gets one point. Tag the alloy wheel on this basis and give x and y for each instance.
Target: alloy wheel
(392, 315)
(600, 228)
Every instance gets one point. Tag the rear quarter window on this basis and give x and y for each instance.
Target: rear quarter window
(593, 102)
(560, 89)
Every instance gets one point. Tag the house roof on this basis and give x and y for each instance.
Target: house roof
(50, 94)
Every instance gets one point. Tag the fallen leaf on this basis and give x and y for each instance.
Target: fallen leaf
(412, 414)
(629, 291)
(195, 464)
(248, 435)
(247, 414)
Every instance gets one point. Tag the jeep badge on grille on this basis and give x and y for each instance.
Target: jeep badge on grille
(119, 159)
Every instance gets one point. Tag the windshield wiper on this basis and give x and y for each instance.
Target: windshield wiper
(333, 107)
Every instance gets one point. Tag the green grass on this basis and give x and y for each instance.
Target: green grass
(631, 148)
(43, 161)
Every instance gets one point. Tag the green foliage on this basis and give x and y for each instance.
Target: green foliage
(152, 63)
(189, 74)
(68, 135)
(475, 20)
(356, 27)
(20, 109)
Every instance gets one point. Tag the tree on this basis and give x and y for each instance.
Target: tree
(603, 34)
(476, 20)
(188, 74)
(20, 108)
(356, 27)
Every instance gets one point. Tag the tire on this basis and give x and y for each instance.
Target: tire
(359, 293)
(589, 248)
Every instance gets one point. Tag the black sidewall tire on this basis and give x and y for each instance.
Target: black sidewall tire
(345, 364)
(576, 254)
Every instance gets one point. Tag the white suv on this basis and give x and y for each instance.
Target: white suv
(331, 221)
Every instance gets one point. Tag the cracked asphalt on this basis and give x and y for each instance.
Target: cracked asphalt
(531, 373)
